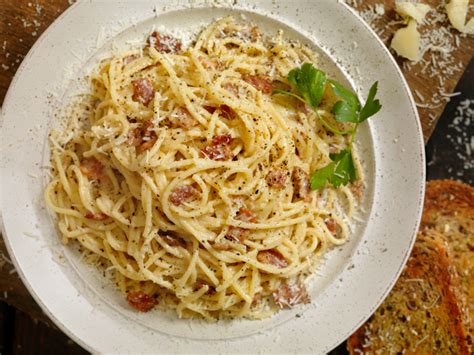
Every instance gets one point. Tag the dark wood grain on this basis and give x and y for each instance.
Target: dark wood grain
(33, 337)
(7, 316)
(15, 293)
(21, 23)
(417, 80)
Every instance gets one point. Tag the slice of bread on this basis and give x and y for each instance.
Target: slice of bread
(441, 266)
(449, 209)
(423, 314)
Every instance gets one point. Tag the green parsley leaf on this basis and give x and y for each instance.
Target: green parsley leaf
(345, 171)
(321, 177)
(340, 172)
(309, 82)
(348, 108)
(371, 106)
(345, 95)
(344, 112)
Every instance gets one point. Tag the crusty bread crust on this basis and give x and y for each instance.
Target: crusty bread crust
(411, 319)
(447, 196)
(443, 257)
(449, 209)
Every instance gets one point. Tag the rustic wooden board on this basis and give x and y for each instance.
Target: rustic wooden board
(33, 337)
(419, 81)
(22, 21)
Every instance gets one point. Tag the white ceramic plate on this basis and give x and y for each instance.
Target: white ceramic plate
(348, 286)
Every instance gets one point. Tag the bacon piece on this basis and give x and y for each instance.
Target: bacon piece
(96, 216)
(222, 245)
(225, 110)
(303, 107)
(129, 58)
(257, 297)
(164, 43)
(357, 188)
(236, 234)
(272, 257)
(277, 178)
(201, 283)
(174, 240)
(185, 193)
(254, 34)
(92, 168)
(219, 149)
(228, 31)
(143, 91)
(301, 183)
(141, 301)
(182, 119)
(134, 136)
(143, 138)
(260, 83)
(148, 137)
(233, 88)
(209, 63)
(210, 109)
(245, 215)
(288, 296)
(332, 225)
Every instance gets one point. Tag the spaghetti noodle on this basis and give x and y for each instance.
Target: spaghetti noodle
(188, 180)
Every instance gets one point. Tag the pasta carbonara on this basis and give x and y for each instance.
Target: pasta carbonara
(188, 181)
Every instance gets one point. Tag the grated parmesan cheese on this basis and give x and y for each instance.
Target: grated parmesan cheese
(463, 141)
(437, 44)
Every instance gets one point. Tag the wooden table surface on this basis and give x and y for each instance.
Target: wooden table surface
(23, 21)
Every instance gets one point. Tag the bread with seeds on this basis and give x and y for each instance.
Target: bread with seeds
(443, 265)
(423, 313)
(449, 209)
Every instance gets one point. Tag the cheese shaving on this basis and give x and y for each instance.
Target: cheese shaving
(412, 10)
(469, 28)
(457, 12)
(406, 42)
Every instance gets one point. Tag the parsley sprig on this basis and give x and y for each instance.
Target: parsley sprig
(309, 85)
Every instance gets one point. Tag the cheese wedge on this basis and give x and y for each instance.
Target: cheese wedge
(406, 42)
(412, 10)
(457, 12)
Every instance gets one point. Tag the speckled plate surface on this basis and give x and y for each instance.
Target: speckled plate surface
(353, 279)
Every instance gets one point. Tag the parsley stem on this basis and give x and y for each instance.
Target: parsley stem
(283, 92)
(330, 128)
(353, 134)
(323, 121)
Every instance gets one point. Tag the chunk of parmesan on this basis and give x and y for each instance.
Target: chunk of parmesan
(412, 10)
(469, 28)
(457, 12)
(406, 42)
